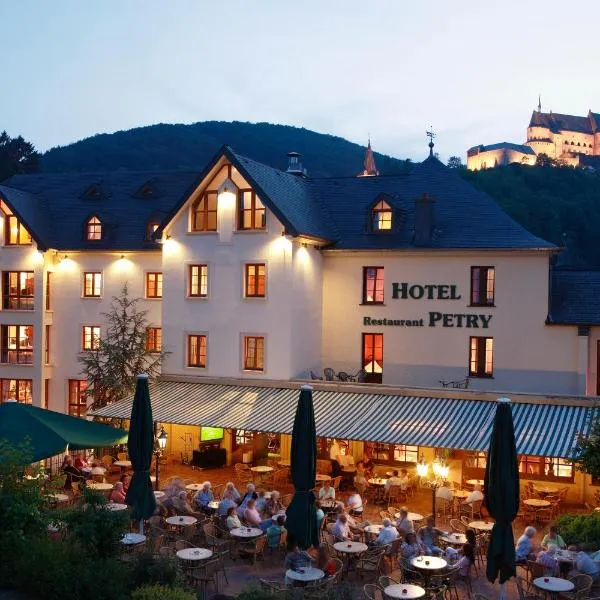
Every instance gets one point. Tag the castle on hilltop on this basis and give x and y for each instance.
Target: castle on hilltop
(569, 139)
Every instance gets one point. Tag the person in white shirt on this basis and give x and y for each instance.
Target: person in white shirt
(327, 492)
(445, 493)
(404, 481)
(393, 480)
(341, 529)
(387, 535)
(411, 547)
(354, 502)
(404, 524)
(474, 496)
(232, 521)
(585, 564)
(334, 450)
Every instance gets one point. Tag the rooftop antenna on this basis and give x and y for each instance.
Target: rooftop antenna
(539, 103)
(430, 134)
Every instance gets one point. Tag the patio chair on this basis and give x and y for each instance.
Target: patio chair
(343, 376)
(385, 580)
(122, 456)
(372, 592)
(525, 594)
(335, 483)
(218, 490)
(108, 461)
(315, 377)
(329, 374)
(360, 376)
(369, 562)
(583, 584)
(204, 574)
(254, 548)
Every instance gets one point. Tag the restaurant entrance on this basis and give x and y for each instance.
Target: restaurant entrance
(372, 357)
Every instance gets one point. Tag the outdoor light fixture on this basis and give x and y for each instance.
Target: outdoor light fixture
(440, 471)
(159, 446)
(422, 467)
(162, 438)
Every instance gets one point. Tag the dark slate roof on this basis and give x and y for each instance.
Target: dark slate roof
(54, 207)
(504, 145)
(557, 122)
(575, 298)
(334, 210)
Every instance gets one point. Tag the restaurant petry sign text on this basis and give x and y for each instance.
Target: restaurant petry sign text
(407, 291)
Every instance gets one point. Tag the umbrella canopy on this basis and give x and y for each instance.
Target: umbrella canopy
(502, 494)
(141, 445)
(301, 521)
(48, 432)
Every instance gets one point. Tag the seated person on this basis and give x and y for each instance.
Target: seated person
(224, 505)
(393, 480)
(429, 538)
(117, 494)
(273, 505)
(125, 480)
(341, 529)
(261, 501)
(327, 492)
(368, 465)
(325, 562)
(404, 480)
(360, 478)
(203, 497)
(319, 514)
(354, 526)
(231, 492)
(387, 535)
(475, 496)
(251, 515)
(74, 475)
(552, 538)
(404, 524)
(354, 502)
(524, 548)
(585, 564)
(232, 521)
(249, 495)
(181, 504)
(80, 462)
(296, 558)
(445, 493)
(410, 547)
(467, 560)
(274, 532)
(548, 559)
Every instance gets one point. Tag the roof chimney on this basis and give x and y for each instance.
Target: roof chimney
(294, 164)
(423, 220)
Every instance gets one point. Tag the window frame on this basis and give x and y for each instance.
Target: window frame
(201, 340)
(257, 279)
(27, 299)
(97, 281)
(20, 229)
(482, 292)
(6, 351)
(48, 298)
(253, 366)
(77, 390)
(202, 282)
(158, 285)
(481, 359)
(27, 383)
(254, 211)
(154, 340)
(47, 343)
(376, 211)
(372, 376)
(90, 340)
(543, 461)
(93, 229)
(377, 449)
(365, 299)
(206, 212)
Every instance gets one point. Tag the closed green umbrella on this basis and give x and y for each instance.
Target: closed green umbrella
(48, 433)
(301, 520)
(140, 495)
(502, 494)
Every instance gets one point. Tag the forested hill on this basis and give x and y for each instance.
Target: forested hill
(561, 205)
(190, 147)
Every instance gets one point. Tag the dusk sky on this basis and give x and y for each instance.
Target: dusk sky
(472, 70)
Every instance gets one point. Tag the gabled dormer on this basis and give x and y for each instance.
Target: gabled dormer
(95, 191)
(93, 229)
(382, 217)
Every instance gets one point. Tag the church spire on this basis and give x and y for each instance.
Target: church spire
(539, 103)
(370, 168)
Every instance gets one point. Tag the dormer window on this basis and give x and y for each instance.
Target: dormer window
(152, 227)
(94, 229)
(251, 211)
(94, 191)
(381, 216)
(204, 212)
(15, 233)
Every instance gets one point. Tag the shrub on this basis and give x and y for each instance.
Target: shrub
(580, 529)
(149, 570)
(161, 592)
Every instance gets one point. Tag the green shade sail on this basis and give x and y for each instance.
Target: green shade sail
(48, 433)
(140, 446)
(301, 521)
(502, 494)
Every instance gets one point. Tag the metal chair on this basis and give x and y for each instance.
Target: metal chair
(315, 377)
(329, 374)
(343, 376)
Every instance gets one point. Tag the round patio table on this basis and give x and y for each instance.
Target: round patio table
(377, 481)
(374, 529)
(194, 553)
(545, 489)
(460, 493)
(554, 585)
(328, 504)
(305, 574)
(124, 464)
(194, 487)
(116, 506)
(158, 494)
(213, 505)
(246, 532)
(58, 497)
(350, 547)
(475, 481)
(537, 503)
(182, 520)
(404, 590)
(322, 477)
(284, 463)
(454, 539)
(428, 565)
(100, 487)
(411, 516)
(132, 539)
(481, 525)
(262, 469)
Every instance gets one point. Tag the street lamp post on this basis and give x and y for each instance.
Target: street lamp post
(440, 474)
(159, 446)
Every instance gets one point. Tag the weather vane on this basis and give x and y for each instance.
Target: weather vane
(431, 135)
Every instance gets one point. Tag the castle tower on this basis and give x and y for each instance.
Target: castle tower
(370, 170)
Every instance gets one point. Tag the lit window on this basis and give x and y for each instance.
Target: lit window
(152, 227)
(545, 468)
(372, 356)
(48, 290)
(196, 351)
(15, 233)
(16, 344)
(153, 339)
(381, 216)
(204, 212)
(90, 337)
(198, 281)
(254, 353)
(16, 389)
(255, 280)
(78, 397)
(48, 329)
(17, 290)
(373, 285)
(94, 229)
(154, 285)
(92, 284)
(481, 357)
(251, 211)
(483, 281)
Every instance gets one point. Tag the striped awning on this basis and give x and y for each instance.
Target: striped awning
(455, 423)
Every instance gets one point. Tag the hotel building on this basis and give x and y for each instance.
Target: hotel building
(254, 279)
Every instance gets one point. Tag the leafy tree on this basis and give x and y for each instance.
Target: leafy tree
(586, 454)
(17, 156)
(455, 162)
(111, 369)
